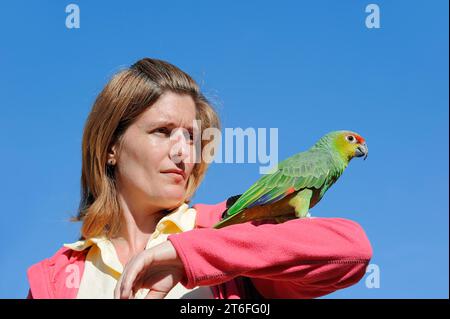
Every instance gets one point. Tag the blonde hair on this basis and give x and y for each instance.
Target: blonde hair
(127, 95)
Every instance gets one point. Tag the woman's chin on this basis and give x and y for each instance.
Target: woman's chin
(172, 199)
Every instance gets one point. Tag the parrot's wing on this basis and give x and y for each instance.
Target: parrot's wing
(304, 170)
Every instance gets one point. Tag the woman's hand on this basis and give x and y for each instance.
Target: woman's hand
(158, 269)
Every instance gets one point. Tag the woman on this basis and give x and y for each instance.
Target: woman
(140, 167)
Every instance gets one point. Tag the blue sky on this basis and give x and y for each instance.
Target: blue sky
(306, 68)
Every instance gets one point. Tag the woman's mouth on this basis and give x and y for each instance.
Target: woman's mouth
(175, 173)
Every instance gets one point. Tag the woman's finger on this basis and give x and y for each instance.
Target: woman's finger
(125, 288)
(153, 294)
(118, 288)
(131, 272)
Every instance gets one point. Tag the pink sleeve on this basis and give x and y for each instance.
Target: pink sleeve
(301, 258)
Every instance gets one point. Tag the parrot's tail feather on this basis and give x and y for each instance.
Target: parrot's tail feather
(233, 219)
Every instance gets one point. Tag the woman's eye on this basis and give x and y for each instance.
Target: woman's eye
(188, 137)
(162, 130)
(351, 138)
(191, 136)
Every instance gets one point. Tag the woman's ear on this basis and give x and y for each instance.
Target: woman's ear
(112, 155)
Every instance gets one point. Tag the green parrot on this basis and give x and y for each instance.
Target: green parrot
(299, 182)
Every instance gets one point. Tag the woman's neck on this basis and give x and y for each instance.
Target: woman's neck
(138, 224)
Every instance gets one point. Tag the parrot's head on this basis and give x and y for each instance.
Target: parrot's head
(348, 144)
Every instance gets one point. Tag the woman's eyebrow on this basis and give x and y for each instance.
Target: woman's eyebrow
(169, 124)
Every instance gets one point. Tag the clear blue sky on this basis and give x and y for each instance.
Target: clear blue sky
(306, 68)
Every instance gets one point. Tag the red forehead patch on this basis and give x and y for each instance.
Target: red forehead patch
(360, 139)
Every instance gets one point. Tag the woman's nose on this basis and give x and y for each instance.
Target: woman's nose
(180, 148)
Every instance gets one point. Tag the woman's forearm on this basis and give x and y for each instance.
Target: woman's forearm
(310, 252)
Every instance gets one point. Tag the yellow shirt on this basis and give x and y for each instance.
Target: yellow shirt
(103, 268)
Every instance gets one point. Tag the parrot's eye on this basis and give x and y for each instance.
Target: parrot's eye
(351, 138)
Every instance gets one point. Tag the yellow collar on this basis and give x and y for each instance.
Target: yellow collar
(180, 220)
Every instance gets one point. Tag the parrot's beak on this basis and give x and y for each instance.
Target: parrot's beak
(362, 150)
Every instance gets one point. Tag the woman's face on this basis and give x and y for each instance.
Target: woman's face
(158, 153)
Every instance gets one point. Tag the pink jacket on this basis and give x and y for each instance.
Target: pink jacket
(300, 258)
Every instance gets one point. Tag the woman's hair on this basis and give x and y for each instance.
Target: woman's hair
(126, 96)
